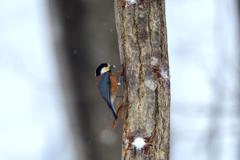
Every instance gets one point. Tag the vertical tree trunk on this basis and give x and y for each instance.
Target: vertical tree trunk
(142, 38)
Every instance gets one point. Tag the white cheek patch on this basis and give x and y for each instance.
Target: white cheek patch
(104, 69)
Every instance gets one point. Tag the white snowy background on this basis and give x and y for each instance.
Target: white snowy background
(203, 54)
(32, 121)
(203, 50)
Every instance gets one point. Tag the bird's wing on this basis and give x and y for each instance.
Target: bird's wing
(104, 88)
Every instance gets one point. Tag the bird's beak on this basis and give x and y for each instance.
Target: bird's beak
(112, 67)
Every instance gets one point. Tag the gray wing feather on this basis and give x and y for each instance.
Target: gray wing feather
(104, 88)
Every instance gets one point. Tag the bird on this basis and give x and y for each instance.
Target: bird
(107, 85)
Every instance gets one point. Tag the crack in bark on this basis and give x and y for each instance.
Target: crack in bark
(154, 136)
(149, 27)
(135, 24)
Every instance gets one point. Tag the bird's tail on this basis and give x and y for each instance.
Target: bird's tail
(113, 111)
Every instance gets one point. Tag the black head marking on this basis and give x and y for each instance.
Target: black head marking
(99, 68)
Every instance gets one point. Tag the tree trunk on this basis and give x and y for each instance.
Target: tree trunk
(142, 38)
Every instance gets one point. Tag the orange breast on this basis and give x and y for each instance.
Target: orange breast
(113, 87)
(97, 79)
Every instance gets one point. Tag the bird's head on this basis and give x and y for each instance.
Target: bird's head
(104, 67)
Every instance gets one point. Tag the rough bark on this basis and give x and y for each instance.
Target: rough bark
(142, 38)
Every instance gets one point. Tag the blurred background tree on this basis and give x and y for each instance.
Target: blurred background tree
(88, 38)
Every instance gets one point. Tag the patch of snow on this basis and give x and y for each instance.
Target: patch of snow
(130, 2)
(164, 74)
(126, 142)
(139, 143)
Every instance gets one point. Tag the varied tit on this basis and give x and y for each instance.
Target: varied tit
(107, 85)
